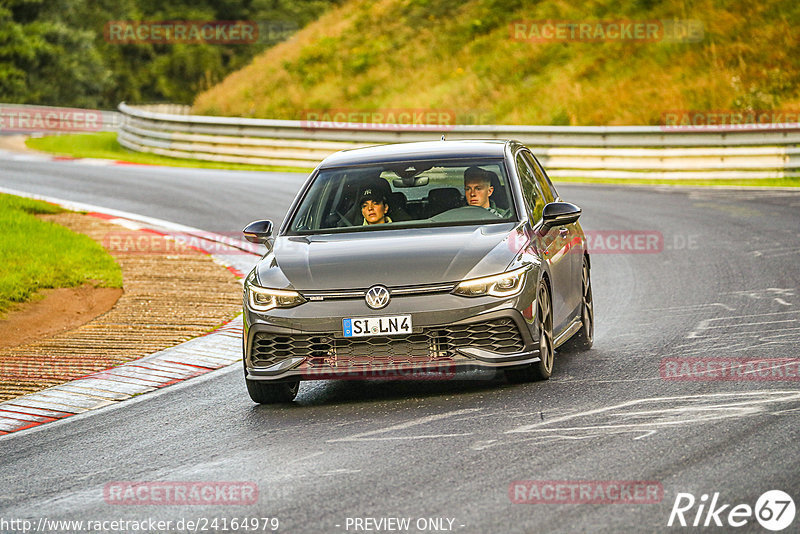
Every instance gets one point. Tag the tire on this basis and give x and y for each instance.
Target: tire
(542, 369)
(272, 393)
(584, 338)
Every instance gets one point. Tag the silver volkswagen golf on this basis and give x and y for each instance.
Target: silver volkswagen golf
(417, 260)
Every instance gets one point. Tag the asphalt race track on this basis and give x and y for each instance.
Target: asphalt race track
(722, 282)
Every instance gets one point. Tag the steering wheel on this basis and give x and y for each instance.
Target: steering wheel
(465, 213)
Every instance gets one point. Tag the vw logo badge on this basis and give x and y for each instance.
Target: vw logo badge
(377, 297)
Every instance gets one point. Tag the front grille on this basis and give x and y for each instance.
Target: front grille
(427, 289)
(431, 345)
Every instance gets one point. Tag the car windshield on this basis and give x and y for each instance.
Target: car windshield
(406, 194)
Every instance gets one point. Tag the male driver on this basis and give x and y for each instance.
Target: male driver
(478, 188)
(374, 206)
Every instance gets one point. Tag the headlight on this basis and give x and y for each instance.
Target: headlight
(500, 285)
(263, 299)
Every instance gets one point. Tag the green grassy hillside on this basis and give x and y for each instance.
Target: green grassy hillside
(460, 56)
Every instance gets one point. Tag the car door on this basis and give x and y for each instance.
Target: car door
(553, 249)
(570, 234)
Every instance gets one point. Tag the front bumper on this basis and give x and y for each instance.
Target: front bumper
(487, 335)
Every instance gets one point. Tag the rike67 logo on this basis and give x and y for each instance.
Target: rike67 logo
(774, 510)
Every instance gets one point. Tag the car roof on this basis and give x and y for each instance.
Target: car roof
(472, 148)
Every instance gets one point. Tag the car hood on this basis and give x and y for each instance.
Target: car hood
(389, 257)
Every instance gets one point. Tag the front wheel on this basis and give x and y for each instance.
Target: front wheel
(271, 393)
(542, 369)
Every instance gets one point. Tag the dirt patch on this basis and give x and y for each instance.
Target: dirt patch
(15, 143)
(168, 298)
(57, 311)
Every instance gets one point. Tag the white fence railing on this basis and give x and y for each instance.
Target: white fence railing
(746, 151)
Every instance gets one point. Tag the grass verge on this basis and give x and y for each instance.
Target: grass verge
(104, 145)
(38, 254)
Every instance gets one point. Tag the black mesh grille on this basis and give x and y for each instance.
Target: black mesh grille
(431, 345)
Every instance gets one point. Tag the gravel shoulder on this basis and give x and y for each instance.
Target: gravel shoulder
(169, 295)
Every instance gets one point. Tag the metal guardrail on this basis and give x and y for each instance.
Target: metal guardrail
(27, 119)
(746, 151)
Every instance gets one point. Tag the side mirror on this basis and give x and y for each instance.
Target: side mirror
(258, 232)
(559, 214)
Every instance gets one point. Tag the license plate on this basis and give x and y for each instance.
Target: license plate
(377, 326)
